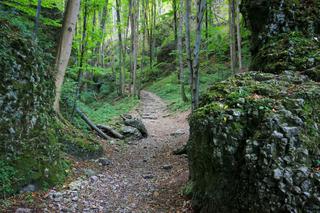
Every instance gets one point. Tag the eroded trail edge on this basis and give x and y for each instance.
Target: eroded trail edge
(144, 175)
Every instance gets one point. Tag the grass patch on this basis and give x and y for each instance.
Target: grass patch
(102, 111)
(168, 88)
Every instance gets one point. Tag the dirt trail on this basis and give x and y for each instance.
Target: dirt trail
(143, 177)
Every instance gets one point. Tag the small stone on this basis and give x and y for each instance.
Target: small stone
(277, 174)
(291, 132)
(89, 172)
(148, 176)
(23, 210)
(296, 189)
(75, 198)
(178, 133)
(304, 170)
(167, 167)
(29, 188)
(104, 162)
(57, 197)
(93, 179)
(277, 134)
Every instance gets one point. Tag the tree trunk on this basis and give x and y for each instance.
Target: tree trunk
(103, 28)
(36, 22)
(175, 21)
(188, 41)
(92, 125)
(121, 80)
(82, 56)
(239, 35)
(195, 77)
(179, 47)
(64, 47)
(232, 36)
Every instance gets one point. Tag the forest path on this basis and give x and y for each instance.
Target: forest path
(144, 176)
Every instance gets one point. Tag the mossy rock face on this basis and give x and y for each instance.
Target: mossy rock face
(254, 145)
(28, 128)
(285, 35)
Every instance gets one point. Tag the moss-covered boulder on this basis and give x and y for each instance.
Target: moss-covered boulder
(29, 149)
(285, 35)
(255, 145)
(255, 140)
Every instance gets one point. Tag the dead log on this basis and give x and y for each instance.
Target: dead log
(91, 124)
(108, 130)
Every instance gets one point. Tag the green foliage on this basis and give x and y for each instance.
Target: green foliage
(218, 42)
(29, 7)
(102, 112)
(7, 178)
(168, 88)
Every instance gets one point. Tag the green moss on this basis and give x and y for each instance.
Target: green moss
(28, 127)
(247, 114)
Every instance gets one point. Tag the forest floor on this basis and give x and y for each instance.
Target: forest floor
(143, 176)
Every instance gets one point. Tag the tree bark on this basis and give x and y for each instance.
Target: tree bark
(36, 22)
(180, 54)
(82, 56)
(64, 48)
(108, 130)
(175, 20)
(195, 77)
(121, 80)
(188, 40)
(232, 36)
(239, 35)
(92, 125)
(103, 28)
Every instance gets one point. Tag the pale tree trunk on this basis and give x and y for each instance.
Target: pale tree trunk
(135, 47)
(121, 80)
(175, 21)
(103, 28)
(180, 53)
(239, 35)
(36, 22)
(64, 47)
(201, 5)
(143, 35)
(132, 34)
(232, 36)
(188, 39)
(82, 56)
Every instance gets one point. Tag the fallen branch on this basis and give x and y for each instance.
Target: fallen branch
(108, 130)
(91, 124)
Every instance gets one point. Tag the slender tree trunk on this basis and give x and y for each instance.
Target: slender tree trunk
(135, 52)
(180, 53)
(201, 5)
(143, 36)
(82, 56)
(64, 47)
(207, 31)
(232, 36)
(103, 28)
(134, 41)
(239, 35)
(36, 22)
(175, 21)
(121, 80)
(132, 34)
(188, 39)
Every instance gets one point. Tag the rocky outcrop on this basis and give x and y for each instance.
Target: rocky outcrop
(254, 145)
(285, 35)
(255, 141)
(29, 146)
